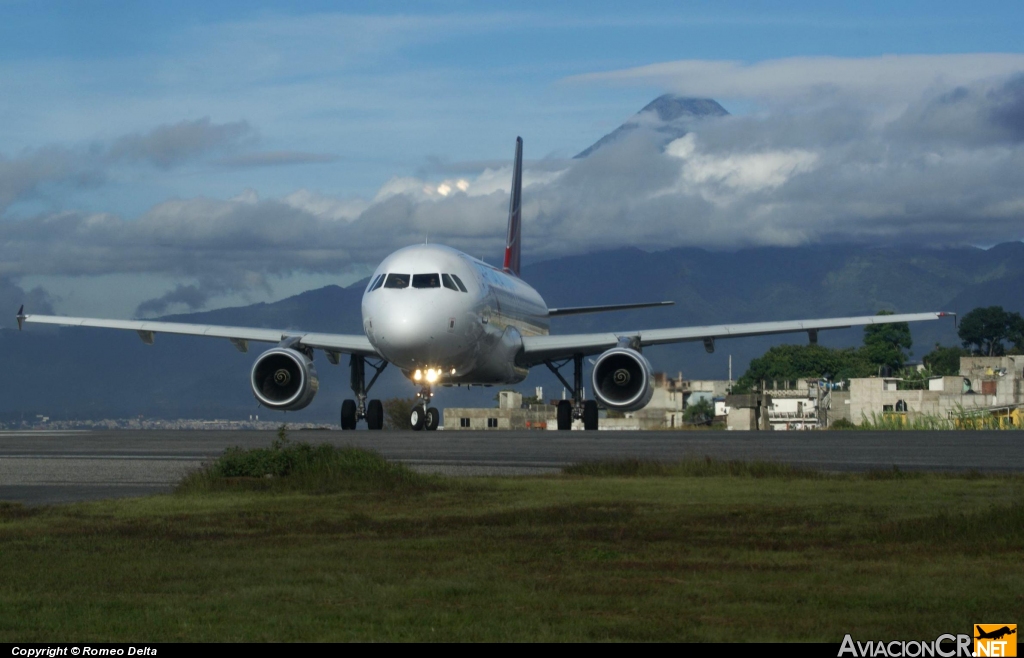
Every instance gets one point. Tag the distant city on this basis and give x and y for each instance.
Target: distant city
(40, 422)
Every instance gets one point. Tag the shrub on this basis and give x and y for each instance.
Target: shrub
(397, 412)
(303, 467)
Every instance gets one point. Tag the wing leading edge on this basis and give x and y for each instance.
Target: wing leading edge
(239, 336)
(537, 349)
(577, 310)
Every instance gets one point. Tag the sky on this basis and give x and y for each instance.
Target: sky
(165, 157)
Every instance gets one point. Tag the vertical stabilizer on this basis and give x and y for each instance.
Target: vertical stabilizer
(513, 241)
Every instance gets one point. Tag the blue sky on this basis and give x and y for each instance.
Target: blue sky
(168, 150)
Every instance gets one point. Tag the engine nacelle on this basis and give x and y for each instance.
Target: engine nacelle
(284, 379)
(622, 379)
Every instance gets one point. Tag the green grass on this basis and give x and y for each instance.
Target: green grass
(699, 550)
(690, 468)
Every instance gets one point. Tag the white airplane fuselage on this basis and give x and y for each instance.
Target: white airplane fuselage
(431, 325)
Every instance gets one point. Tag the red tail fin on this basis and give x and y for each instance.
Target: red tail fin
(513, 241)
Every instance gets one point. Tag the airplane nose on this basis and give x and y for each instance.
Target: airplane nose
(399, 327)
(403, 332)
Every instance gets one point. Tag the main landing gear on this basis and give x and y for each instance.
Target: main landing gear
(352, 411)
(423, 417)
(577, 408)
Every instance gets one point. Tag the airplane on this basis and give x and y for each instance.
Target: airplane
(445, 318)
(997, 634)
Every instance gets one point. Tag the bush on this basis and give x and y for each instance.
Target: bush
(397, 412)
(303, 467)
(842, 424)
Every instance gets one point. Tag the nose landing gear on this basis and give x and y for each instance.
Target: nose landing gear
(352, 411)
(423, 417)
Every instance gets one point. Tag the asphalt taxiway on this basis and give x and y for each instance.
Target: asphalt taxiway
(43, 467)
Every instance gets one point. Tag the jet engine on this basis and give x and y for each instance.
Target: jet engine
(284, 378)
(622, 379)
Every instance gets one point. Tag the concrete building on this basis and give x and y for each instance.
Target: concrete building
(747, 411)
(985, 385)
(799, 404)
(665, 410)
(510, 414)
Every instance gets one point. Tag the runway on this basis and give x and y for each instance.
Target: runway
(45, 467)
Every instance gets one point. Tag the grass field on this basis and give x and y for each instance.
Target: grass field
(365, 550)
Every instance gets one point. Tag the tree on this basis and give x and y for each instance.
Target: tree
(984, 330)
(700, 412)
(884, 343)
(789, 362)
(944, 361)
(397, 412)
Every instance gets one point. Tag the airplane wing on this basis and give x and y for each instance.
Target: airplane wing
(577, 310)
(333, 344)
(537, 349)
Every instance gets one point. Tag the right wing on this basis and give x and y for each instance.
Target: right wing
(537, 349)
(333, 344)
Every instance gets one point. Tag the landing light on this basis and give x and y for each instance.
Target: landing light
(432, 375)
(417, 375)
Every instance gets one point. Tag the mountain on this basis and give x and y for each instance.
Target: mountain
(669, 115)
(96, 373)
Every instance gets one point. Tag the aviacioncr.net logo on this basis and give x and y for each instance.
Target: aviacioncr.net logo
(944, 646)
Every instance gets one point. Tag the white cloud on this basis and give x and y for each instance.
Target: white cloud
(741, 173)
(324, 206)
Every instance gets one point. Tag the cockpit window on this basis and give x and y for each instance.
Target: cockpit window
(426, 281)
(397, 281)
(458, 282)
(378, 282)
(446, 280)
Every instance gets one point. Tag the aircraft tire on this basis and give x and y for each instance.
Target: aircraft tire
(416, 417)
(432, 419)
(348, 415)
(564, 415)
(375, 415)
(590, 415)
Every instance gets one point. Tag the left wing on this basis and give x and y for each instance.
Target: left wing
(537, 349)
(577, 310)
(333, 344)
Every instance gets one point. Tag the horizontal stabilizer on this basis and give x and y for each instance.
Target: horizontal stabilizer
(576, 310)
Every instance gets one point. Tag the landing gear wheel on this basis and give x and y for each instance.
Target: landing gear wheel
(375, 415)
(416, 418)
(590, 415)
(432, 419)
(564, 415)
(348, 415)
